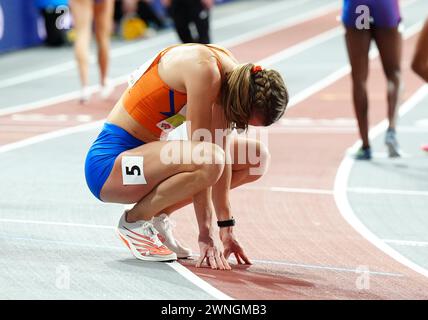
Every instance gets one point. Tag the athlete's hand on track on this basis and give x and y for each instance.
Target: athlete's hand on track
(215, 258)
(231, 245)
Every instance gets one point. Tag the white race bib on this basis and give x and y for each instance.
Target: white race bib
(133, 170)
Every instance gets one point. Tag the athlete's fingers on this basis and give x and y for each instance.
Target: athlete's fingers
(212, 262)
(200, 260)
(244, 257)
(227, 253)
(219, 262)
(225, 263)
(238, 258)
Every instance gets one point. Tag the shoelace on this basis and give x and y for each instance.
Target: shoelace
(169, 224)
(153, 232)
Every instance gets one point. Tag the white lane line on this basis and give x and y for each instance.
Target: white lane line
(57, 223)
(4, 236)
(170, 38)
(322, 267)
(410, 243)
(341, 72)
(316, 266)
(184, 272)
(313, 130)
(288, 190)
(361, 190)
(51, 135)
(202, 284)
(302, 46)
(58, 99)
(175, 266)
(366, 190)
(253, 14)
(180, 267)
(284, 24)
(408, 129)
(318, 86)
(341, 185)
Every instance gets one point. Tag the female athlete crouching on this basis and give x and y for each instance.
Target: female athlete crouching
(126, 162)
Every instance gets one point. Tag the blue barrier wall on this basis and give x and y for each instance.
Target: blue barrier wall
(18, 25)
(19, 20)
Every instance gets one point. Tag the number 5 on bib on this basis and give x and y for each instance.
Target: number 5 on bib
(133, 170)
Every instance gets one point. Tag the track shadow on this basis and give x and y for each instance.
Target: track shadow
(249, 276)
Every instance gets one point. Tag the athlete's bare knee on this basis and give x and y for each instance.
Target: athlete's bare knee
(260, 164)
(209, 160)
(393, 76)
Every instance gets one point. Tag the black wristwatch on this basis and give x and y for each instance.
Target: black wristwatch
(226, 223)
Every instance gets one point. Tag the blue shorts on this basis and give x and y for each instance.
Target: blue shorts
(111, 142)
(384, 13)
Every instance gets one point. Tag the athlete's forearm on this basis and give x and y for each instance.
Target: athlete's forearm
(220, 192)
(203, 209)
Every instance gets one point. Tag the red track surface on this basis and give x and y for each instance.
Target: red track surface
(296, 228)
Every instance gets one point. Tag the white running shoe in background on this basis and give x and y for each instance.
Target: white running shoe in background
(106, 89)
(143, 241)
(392, 144)
(85, 94)
(164, 225)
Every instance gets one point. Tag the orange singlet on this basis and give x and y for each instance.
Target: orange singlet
(150, 101)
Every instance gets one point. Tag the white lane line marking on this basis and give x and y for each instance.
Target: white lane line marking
(253, 14)
(197, 281)
(58, 99)
(341, 185)
(288, 190)
(366, 190)
(57, 223)
(285, 24)
(63, 242)
(261, 261)
(135, 47)
(184, 272)
(341, 72)
(361, 190)
(302, 46)
(313, 266)
(417, 97)
(318, 86)
(51, 135)
(313, 130)
(187, 274)
(322, 267)
(410, 243)
(408, 129)
(309, 122)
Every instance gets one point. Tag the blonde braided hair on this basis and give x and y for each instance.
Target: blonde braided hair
(249, 90)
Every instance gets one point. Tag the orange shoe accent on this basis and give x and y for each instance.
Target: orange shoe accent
(124, 240)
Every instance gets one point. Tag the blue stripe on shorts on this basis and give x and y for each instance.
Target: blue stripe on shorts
(111, 142)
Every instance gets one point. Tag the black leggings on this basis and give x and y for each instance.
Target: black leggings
(183, 12)
(54, 37)
(144, 11)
